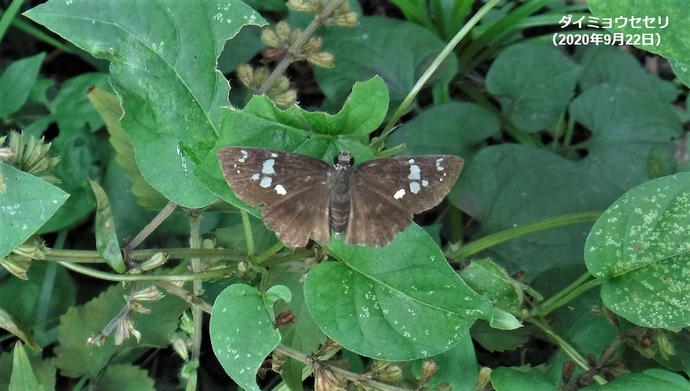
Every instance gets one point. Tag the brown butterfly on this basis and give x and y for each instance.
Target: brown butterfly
(304, 197)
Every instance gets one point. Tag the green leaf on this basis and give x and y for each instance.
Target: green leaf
(654, 379)
(453, 128)
(398, 302)
(515, 379)
(75, 358)
(71, 108)
(610, 65)
(25, 205)
(261, 124)
(372, 48)
(532, 100)
(17, 328)
(45, 295)
(242, 330)
(640, 246)
(303, 335)
(488, 279)
(124, 377)
(23, 378)
(508, 185)
(667, 22)
(110, 111)
(16, 83)
(457, 366)
(626, 124)
(163, 59)
(107, 245)
(80, 152)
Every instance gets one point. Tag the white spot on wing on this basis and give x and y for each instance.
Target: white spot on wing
(280, 190)
(414, 187)
(256, 176)
(266, 182)
(411, 161)
(268, 167)
(399, 194)
(425, 183)
(244, 156)
(438, 164)
(414, 173)
(273, 154)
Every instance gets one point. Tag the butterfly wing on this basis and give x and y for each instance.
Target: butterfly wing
(387, 193)
(291, 186)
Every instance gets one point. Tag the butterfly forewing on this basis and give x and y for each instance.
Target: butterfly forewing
(387, 193)
(291, 186)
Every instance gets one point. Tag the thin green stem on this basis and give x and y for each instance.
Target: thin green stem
(8, 16)
(197, 312)
(207, 275)
(82, 256)
(565, 346)
(377, 143)
(150, 227)
(488, 241)
(567, 295)
(248, 237)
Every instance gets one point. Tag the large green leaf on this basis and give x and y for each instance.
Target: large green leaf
(25, 205)
(398, 302)
(242, 330)
(74, 357)
(452, 128)
(667, 28)
(398, 51)
(163, 58)
(16, 82)
(641, 248)
(532, 100)
(508, 185)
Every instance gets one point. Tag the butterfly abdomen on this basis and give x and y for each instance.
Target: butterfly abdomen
(339, 207)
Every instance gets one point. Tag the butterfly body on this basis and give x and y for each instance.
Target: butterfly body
(368, 204)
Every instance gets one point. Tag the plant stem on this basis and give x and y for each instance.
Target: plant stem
(566, 295)
(488, 241)
(150, 227)
(565, 346)
(82, 256)
(197, 312)
(297, 45)
(354, 377)
(207, 275)
(377, 143)
(8, 16)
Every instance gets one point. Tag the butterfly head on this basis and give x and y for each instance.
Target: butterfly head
(343, 160)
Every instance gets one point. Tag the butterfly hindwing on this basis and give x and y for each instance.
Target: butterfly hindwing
(291, 186)
(387, 193)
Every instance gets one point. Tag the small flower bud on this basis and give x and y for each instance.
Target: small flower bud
(150, 293)
(286, 99)
(284, 319)
(349, 19)
(180, 348)
(270, 38)
(429, 368)
(157, 259)
(300, 6)
(283, 31)
(245, 73)
(321, 59)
